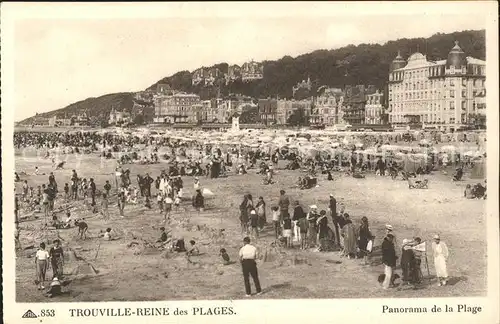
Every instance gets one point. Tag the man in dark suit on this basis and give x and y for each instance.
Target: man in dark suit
(389, 260)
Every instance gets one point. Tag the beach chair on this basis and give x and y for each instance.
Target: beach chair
(417, 183)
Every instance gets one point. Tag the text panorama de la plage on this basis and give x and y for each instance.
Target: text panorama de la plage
(458, 308)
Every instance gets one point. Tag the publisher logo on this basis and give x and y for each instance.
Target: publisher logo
(29, 314)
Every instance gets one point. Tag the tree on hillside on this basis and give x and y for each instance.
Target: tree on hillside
(250, 116)
(298, 118)
(139, 119)
(364, 64)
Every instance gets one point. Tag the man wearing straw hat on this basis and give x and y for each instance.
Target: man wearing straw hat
(388, 259)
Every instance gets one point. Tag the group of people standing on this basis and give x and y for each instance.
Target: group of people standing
(412, 252)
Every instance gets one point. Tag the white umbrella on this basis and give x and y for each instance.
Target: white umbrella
(448, 148)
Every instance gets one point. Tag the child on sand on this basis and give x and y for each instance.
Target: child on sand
(107, 235)
(193, 249)
(287, 231)
(66, 191)
(276, 221)
(177, 202)
(225, 256)
(159, 200)
(167, 207)
(254, 223)
(107, 187)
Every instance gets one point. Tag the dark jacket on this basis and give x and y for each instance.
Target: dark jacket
(388, 253)
(333, 206)
(298, 213)
(284, 202)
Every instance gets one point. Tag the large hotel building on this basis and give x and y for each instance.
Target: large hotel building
(436, 94)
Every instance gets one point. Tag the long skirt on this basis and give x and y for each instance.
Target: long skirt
(311, 236)
(440, 264)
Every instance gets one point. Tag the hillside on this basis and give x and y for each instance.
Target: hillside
(364, 63)
(94, 107)
(361, 64)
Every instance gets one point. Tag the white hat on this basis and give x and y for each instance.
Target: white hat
(406, 241)
(313, 207)
(331, 195)
(388, 227)
(252, 212)
(436, 237)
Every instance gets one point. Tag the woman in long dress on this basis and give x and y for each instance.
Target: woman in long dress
(349, 235)
(312, 217)
(364, 236)
(322, 223)
(440, 251)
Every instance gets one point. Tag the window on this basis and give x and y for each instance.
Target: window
(452, 120)
(452, 93)
(464, 70)
(452, 105)
(464, 93)
(452, 69)
(452, 83)
(464, 82)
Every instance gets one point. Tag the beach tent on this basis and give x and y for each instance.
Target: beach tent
(479, 170)
(411, 162)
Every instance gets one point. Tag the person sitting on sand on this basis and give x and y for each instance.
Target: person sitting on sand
(55, 222)
(225, 257)
(468, 192)
(107, 235)
(193, 250)
(163, 236)
(199, 201)
(67, 221)
(179, 245)
(54, 289)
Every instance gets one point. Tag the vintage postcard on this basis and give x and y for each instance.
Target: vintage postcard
(250, 162)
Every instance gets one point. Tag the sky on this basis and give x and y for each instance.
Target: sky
(63, 59)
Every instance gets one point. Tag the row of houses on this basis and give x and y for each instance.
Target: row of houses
(332, 106)
(249, 71)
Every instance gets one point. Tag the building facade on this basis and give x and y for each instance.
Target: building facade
(178, 108)
(437, 94)
(327, 107)
(233, 73)
(199, 76)
(355, 102)
(268, 110)
(210, 113)
(286, 108)
(252, 71)
(374, 110)
(119, 117)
